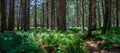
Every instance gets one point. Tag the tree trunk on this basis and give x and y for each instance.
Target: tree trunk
(117, 13)
(35, 19)
(93, 15)
(99, 14)
(18, 16)
(103, 11)
(3, 15)
(21, 15)
(11, 19)
(42, 20)
(109, 14)
(90, 19)
(49, 14)
(82, 14)
(52, 14)
(61, 15)
(69, 16)
(25, 14)
(77, 12)
(106, 16)
(46, 13)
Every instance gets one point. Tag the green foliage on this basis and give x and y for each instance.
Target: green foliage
(110, 39)
(40, 41)
(75, 29)
(15, 42)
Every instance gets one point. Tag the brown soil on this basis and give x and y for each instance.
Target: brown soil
(94, 47)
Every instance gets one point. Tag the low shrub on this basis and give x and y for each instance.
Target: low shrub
(40, 41)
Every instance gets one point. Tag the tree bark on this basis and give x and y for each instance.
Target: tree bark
(109, 14)
(46, 13)
(61, 15)
(18, 16)
(82, 14)
(25, 14)
(92, 17)
(52, 14)
(21, 15)
(117, 13)
(106, 16)
(99, 14)
(11, 19)
(35, 19)
(42, 20)
(77, 12)
(3, 15)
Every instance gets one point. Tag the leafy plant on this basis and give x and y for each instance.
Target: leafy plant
(40, 41)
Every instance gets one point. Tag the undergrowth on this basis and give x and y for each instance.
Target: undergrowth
(41, 41)
(53, 41)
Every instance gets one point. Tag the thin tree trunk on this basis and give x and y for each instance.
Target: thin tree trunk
(25, 14)
(35, 19)
(90, 17)
(94, 15)
(3, 15)
(47, 16)
(28, 20)
(42, 20)
(52, 14)
(11, 19)
(82, 14)
(18, 17)
(106, 16)
(103, 10)
(77, 12)
(99, 15)
(117, 13)
(69, 14)
(109, 20)
(21, 15)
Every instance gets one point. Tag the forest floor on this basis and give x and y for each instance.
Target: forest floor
(94, 47)
(53, 41)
